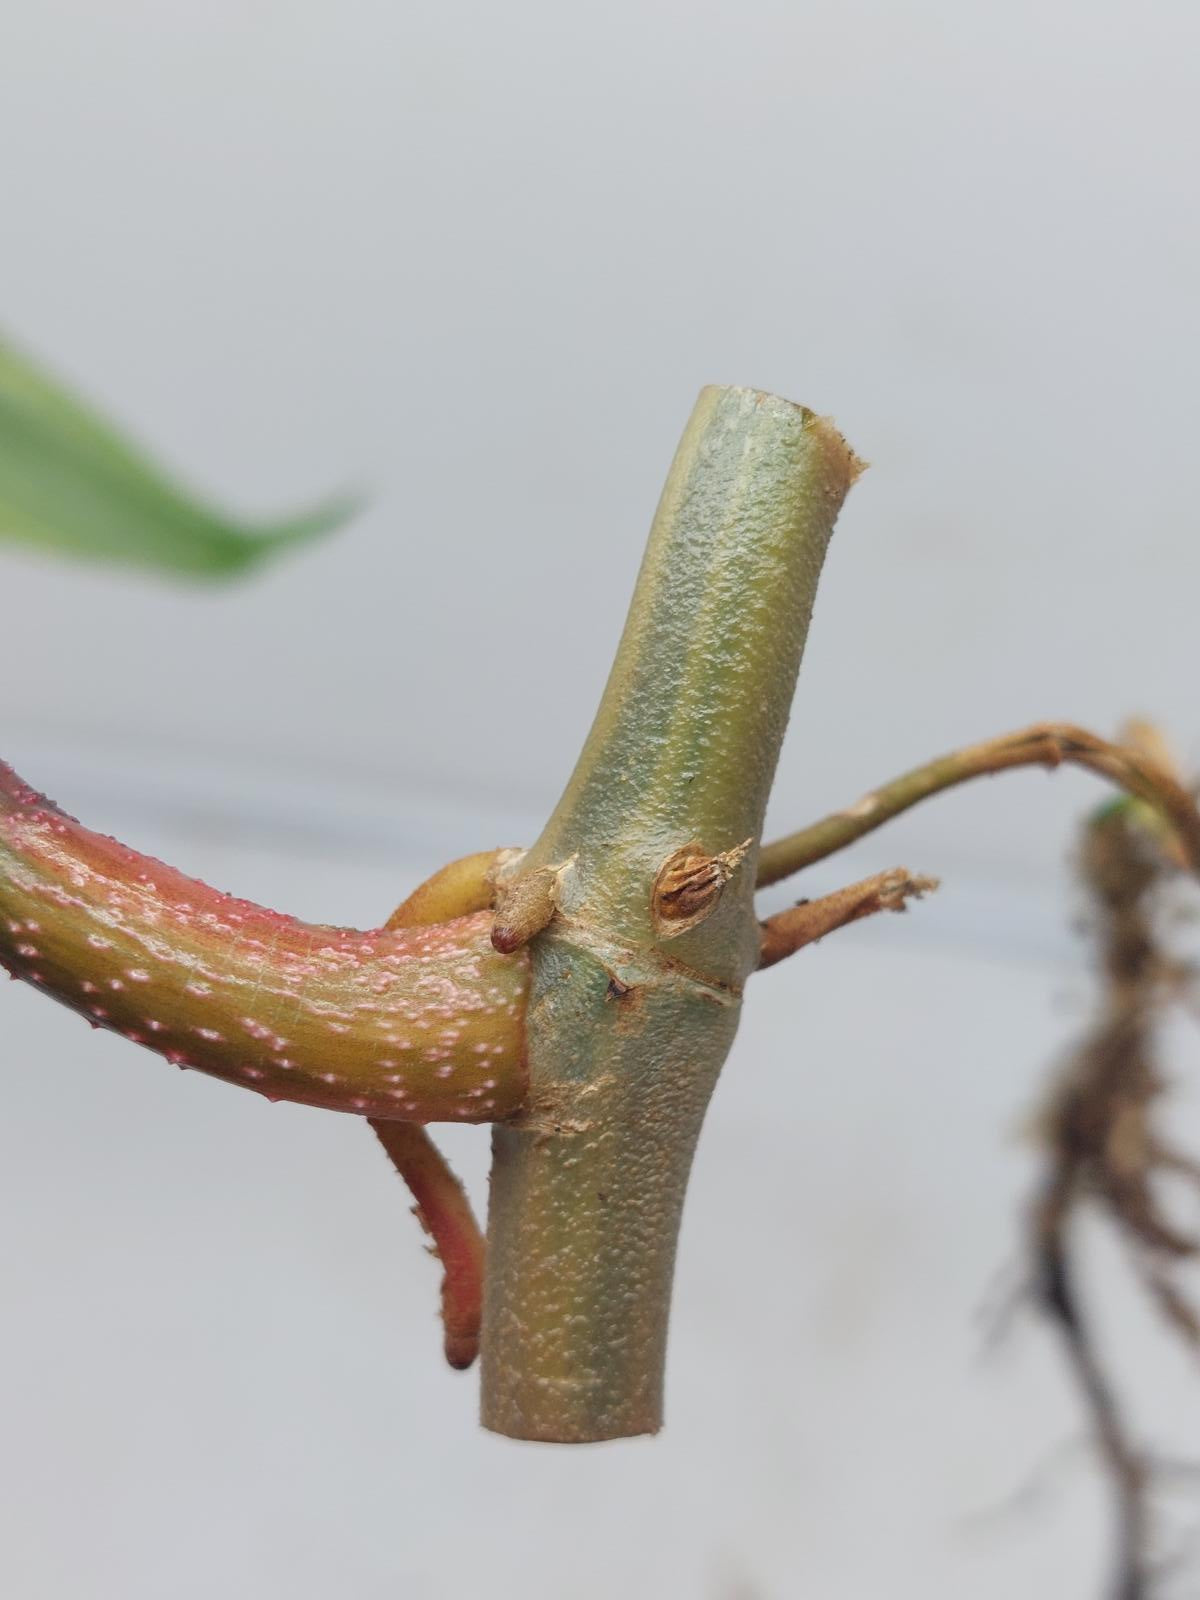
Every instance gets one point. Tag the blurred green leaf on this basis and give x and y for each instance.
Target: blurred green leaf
(68, 481)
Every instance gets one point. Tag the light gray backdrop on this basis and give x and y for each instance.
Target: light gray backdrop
(478, 260)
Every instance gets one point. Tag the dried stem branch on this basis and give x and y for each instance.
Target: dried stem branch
(1047, 744)
(800, 925)
(1103, 1148)
(1125, 1464)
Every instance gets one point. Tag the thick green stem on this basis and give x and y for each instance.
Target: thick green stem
(637, 979)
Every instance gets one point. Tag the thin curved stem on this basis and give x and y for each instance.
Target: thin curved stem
(1046, 744)
(445, 1214)
(421, 1024)
(462, 888)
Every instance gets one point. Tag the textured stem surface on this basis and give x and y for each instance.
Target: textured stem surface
(632, 1014)
(419, 1023)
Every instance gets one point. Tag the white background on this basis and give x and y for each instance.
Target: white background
(477, 261)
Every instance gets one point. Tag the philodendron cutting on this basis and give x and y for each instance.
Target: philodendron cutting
(581, 996)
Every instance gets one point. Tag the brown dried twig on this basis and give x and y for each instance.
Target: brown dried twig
(790, 930)
(1102, 1145)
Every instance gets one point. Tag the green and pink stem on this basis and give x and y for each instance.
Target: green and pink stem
(418, 1023)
